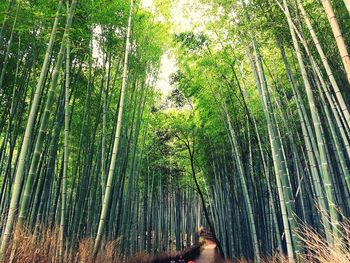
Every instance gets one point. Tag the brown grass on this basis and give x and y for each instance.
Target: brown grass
(33, 248)
(317, 250)
(108, 253)
(43, 248)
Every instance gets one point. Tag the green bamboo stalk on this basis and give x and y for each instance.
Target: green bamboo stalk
(66, 151)
(237, 158)
(286, 204)
(347, 4)
(107, 199)
(45, 119)
(27, 137)
(7, 54)
(9, 6)
(338, 36)
(326, 65)
(324, 166)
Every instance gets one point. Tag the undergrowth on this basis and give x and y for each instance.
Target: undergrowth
(42, 246)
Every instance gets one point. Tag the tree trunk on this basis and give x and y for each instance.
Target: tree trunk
(338, 35)
(107, 197)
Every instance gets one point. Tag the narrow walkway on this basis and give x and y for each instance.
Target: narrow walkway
(208, 254)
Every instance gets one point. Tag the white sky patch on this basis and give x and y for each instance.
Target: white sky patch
(167, 68)
(97, 53)
(147, 3)
(189, 16)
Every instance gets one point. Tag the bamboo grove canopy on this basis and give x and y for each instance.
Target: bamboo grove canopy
(251, 141)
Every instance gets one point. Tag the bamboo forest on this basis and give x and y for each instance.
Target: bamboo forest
(175, 131)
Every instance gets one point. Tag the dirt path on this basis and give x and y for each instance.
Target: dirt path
(208, 254)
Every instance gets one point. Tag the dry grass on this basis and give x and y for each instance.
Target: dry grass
(317, 250)
(33, 248)
(108, 253)
(43, 248)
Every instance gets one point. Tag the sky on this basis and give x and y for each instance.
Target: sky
(168, 61)
(167, 68)
(185, 14)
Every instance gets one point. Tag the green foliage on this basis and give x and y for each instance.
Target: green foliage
(190, 41)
